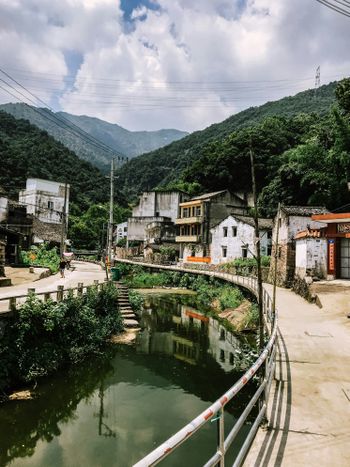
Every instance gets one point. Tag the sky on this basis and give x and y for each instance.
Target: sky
(152, 64)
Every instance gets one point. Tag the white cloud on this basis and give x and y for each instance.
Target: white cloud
(132, 74)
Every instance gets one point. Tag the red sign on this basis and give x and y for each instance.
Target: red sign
(331, 255)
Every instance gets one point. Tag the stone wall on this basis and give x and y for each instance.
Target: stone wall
(285, 264)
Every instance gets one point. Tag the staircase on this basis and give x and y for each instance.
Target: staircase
(128, 315)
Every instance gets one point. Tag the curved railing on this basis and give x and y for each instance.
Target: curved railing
(216, 410)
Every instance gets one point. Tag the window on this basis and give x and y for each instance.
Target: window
(232, 359)
(244, 252)
(50, 204)
(198, 211)
(224, 252)
(234, 231)
(222, 355)
(125, 229)
(222, 334)
(225, 231)
(157, 214)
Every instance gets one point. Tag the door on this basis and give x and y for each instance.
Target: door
(345, 258)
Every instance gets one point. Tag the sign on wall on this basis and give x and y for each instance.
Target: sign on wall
(343, 228)
(331, 255)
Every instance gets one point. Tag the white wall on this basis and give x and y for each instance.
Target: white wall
(311, 257)
(3, 208)
(234, 244)
(291, 225)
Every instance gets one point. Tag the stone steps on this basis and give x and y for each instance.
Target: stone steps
(127, 313)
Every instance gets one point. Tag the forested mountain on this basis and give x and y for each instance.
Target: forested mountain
(188, 159)
(26, 151)
(125, 142)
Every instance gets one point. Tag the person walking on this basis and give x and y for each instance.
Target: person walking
(62, 267)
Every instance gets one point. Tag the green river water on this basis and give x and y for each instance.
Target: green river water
(112, 411)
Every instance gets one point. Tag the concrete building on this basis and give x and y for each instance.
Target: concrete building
(290, 220)
(234, 238)
(311, 254)
(160, 207)
(198, 215)
(120, 232)
(45, 200)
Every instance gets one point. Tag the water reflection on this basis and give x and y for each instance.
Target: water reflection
(112, 411)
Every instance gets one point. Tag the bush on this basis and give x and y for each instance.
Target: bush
(42, 256)
(136, 300)
(45, 336)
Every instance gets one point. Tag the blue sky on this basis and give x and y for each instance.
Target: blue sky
(182, 64)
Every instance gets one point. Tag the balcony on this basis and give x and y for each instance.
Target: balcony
(188, 239)
(189, 220)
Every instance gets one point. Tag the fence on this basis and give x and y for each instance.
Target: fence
(216, 410)
(10, 303)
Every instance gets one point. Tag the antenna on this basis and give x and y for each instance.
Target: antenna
(317, 79)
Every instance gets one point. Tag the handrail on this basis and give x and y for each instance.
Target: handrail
(217, 408)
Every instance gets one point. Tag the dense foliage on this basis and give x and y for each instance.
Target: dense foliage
(45, 336)
(41, 256)
(26, 151)
(183, 162)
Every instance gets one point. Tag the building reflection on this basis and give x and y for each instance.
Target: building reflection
(182, 331)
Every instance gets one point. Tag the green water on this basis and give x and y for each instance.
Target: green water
(112, 411)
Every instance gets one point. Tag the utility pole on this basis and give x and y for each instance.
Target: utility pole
(258, 254)
(276, 262)
(111, 206)
(317, 80)
(64, 222)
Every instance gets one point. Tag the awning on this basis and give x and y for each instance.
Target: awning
(332, 218)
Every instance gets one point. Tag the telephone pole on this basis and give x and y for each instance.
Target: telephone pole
(64, 222)
(258, 254)
(111, 206)
(317, 80)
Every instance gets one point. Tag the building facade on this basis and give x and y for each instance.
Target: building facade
(234, 237)
(45, 200)
(311, 254)
(289, 221)
(121, 232)
(197, 216)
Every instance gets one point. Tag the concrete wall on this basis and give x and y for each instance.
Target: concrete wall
(234, 244)
(311, 257)
(163, 204)
(120, 231)
(137, 226)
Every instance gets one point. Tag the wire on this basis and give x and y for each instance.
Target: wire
(79, 131)
(336, 8)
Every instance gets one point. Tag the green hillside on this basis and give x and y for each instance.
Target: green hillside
(26, 151)
(178, 160)
(125, 142)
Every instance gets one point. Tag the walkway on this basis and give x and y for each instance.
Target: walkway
(310, 404)
(80, 272)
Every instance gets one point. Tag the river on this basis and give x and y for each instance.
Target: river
(113, 410)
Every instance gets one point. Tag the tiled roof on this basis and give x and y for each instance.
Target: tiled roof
(305, 211)
(265, 224)
(208, 195)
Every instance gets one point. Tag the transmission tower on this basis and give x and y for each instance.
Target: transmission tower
(317, 80)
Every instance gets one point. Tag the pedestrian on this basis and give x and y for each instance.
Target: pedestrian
(62, 267)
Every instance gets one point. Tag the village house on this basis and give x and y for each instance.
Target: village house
(234, 238)
(155, 213)
(200, 214)
(289, 221)
(337, 243)
(120, 232)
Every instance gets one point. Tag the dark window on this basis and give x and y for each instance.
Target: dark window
(50, 204)
(222, 334)
(222, 355)
(224, 251)
(231, 358)
(225, 231)
(244, 252)
(234, 231)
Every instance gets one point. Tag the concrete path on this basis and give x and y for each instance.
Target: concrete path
(79, 272)
(310, 402)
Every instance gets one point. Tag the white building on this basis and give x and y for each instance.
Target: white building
(311, 254)
(121, 231)
(234, 238)
(45, 200)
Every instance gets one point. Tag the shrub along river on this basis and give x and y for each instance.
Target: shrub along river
(113, 410)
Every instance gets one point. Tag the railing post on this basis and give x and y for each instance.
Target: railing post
(80, 289)
(60, 289)
(96, 282)
(46, 296)
(12, 303)
(221, 436)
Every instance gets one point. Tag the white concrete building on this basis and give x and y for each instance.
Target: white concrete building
(121, 231)
(234, 238)
(311, 254)
(45, 200)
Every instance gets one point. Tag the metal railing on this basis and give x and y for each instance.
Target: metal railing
(216, 410)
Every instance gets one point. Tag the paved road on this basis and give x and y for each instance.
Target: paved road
(80, 272)
(310, 403)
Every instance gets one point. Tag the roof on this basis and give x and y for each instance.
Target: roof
(303, 211)
(309, 233)
(265, 224)
(332, 218)
(208, 195)
(47, 231)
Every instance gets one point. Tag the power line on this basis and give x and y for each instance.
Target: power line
(74, 128)
(343, 10)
